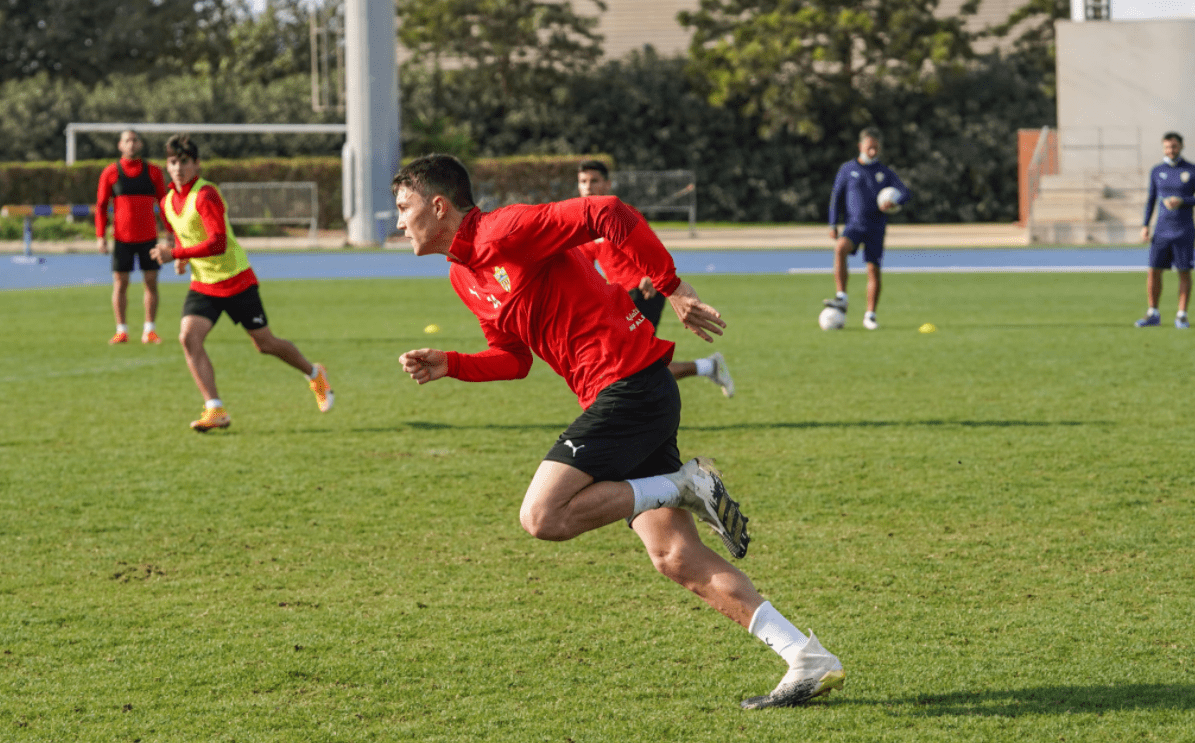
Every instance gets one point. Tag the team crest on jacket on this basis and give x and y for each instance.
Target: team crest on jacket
(1186, 176)
(879, 177)
(503, 279)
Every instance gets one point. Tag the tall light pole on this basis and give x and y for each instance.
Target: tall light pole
(372, 150)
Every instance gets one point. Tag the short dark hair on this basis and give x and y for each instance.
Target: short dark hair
(1173, 135)
(436, 174)
(597, 165)
(180, 145)
(872, 132)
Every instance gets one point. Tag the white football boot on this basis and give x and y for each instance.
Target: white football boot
(722, 375)
(869, 321)
(702, 493)
(814, 672)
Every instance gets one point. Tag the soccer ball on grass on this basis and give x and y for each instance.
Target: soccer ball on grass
(831, 318)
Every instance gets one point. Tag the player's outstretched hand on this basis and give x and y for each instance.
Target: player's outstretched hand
(425, 364)
(694, 314)
(161, 253)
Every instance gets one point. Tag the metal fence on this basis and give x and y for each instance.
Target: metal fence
(659, 191)
(273, 202)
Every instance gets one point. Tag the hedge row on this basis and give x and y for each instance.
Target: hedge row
(496, 181)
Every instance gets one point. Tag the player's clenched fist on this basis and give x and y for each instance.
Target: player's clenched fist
(425, 365)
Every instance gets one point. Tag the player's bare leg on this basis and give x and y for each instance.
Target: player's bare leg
(682, 369)
(677, 552)
(1184, 290)
(151, 295)
(873, 286)
(192, 334)
(842, 251)
(1153, 287)
(120, 296)
(268, 343)
(563, 502)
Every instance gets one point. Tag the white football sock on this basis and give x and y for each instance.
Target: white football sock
(653, 492)
(841, 295)
(122, 328)
(777, 632)
(1181, 314)
(1153, 311)
(705, 367)
(215, 402)
(148, 327)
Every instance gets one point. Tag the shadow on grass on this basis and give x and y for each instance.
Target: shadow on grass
(905, 424)
(1047, 700)
(441, 426)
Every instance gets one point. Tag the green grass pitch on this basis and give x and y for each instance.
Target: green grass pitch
(991, 525)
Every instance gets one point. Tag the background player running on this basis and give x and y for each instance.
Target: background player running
(517, 270)
(853, 201)
(221, 281)
(1172, 182)
(134, 187)
(593, 179)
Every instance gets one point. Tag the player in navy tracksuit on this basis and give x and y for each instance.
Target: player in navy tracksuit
(853, 201)
(1173, 183)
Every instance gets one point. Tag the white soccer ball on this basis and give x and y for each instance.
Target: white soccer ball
(831, 318)
(888, 195)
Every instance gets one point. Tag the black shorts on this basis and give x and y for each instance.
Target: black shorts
(651, 308)
(628, 432)
(245, 308)
(124, 253)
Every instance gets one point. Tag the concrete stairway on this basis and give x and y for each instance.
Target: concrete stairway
(1078, 209)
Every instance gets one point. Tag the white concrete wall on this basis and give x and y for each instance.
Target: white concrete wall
(1121, 85)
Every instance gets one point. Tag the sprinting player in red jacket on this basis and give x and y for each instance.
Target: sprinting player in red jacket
(593, 179)
(134, 186)
(517, 269)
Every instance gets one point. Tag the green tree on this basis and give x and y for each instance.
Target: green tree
(499, 69)
(1033, 23)
(801, 65)
(89, 41)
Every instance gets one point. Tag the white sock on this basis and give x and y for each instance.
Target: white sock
(314, 372)
(653, 492)
(215, 402)
(705, 367)
(122, 328)
(869, 315)
(149, 326)
(777, 632)
(1181, 315)
(841, 295)
(1152, 311)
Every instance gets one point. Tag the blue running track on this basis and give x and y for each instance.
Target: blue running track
(56, 270)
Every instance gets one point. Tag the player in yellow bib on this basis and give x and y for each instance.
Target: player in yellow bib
(221, 281)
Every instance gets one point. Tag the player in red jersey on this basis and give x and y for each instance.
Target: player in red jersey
(593, 179)
(222, 281)
(517, 270)
(134, 186)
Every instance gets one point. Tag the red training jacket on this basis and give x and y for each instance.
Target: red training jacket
(133, 218)
(516, 269)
